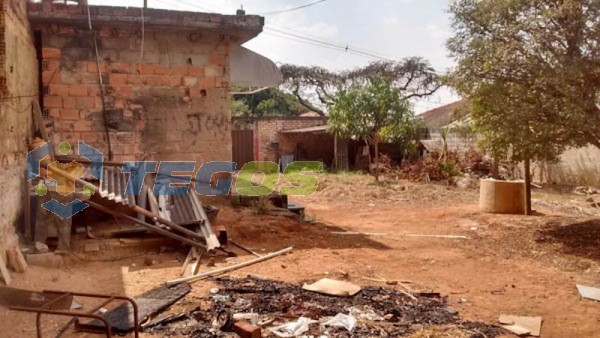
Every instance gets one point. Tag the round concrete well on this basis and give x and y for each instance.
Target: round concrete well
(502, 197)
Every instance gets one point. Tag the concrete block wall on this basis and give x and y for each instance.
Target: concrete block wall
(168, 102)
(18, 88)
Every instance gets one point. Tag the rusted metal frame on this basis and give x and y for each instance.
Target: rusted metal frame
(151, 227)
(39, 312)
(133, 208)
(110, 299)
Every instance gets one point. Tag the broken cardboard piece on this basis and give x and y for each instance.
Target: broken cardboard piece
(333, 287)
(521, 325)
(589, 292)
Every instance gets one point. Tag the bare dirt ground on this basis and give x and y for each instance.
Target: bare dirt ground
(507, 265)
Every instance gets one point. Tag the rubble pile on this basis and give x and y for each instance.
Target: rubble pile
(373, 312)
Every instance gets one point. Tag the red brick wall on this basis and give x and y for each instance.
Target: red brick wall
(171, 104)
(269, 144)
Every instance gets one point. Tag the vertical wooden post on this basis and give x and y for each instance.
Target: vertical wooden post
(528, 210)
(336, 164)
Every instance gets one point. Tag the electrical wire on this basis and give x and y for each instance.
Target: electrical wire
(292, 9)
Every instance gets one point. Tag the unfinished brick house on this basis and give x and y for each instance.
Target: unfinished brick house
(136, 84)
(166, 76)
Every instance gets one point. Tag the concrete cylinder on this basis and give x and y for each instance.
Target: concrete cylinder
(502, 197)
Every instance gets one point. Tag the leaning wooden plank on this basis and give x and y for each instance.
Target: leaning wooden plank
(149, 303)
(4, 271)
(16, 261)
(187, 260)
(227, 269)
(438, 236)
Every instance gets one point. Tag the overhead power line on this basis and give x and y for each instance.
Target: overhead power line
(322, 43)
(292, 9)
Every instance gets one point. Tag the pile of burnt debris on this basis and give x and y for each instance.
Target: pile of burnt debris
(256, 307)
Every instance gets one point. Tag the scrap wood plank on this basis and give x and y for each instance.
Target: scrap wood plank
(4, 271)
(16, 261)
(220, 271)
(149, 303)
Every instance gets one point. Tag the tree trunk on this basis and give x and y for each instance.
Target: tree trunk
(376, 158)
(495, 168)
(368, 154)
(528, 210)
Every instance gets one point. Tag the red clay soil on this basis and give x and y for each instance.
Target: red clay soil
(507, 265)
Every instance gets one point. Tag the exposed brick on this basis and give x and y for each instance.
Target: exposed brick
(82, 125)
(53, 65)
(69, 102)
(78, 90)
(93, 91)
(115, 79)
(124, 91)
(92, 137)
(134, 79)
(51, 77)
(58, 89)
(119, 68)
(196, 71)
(53, 102)
(69, 114)
(51, 53)
(161, 80)
(189, 81)
(92, 67)
(85, 102)
(218, 60)
(54, 112)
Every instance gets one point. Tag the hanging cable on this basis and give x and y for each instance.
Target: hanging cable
(292, 9)
(101, 84)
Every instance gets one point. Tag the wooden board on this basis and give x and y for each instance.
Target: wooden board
(149, 303)
(4, 271)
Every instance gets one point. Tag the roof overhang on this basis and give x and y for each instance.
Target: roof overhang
(241, 27)
(312, 130)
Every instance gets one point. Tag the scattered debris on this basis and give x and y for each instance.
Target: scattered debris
(293, 329)
(227, 269)
(278, 304)
(246, 330)
(586, 191)
(149, 303)
(348, 322)
(41, 247)
(333, 287)
(589, 292)
(520, 325)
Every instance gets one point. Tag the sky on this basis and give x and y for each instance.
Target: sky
(393, 29)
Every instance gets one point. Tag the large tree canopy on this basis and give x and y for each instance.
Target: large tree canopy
(533, 67)
(316, 88)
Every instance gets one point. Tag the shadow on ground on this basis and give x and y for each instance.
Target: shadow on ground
(580, 239)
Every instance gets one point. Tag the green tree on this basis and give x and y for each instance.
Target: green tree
(531, 69)
(269, 102)
(371, 111)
